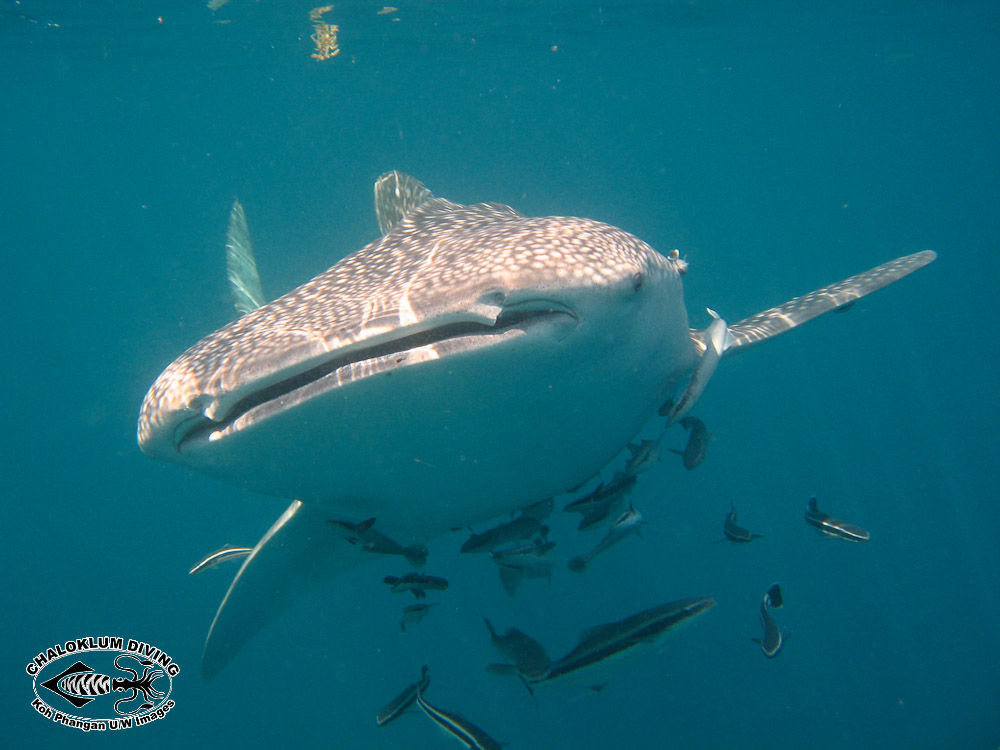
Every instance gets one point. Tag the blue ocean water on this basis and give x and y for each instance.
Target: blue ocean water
(779, 146)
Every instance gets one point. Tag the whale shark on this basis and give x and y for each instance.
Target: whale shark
(468, 362)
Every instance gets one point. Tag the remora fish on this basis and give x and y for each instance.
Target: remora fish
(642, 456)
(603, 642)
(414, 613)
(404, 700)
(616, 489)
(697, 444)
(734, 532)
(540, 510)
(834, 526)
(512, 572)
(772, 641)
(518, 563)
(527, 655)
(458, 726)
(371, 540)
(600, 503)
(228, 552)
(434, 379)
(523, 527)
(417, 583)
(627, 523)
(514, 555)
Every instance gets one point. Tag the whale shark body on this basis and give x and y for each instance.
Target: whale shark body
(469, 362)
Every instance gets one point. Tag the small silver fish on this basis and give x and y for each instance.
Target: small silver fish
(221, 555)
(627, 523)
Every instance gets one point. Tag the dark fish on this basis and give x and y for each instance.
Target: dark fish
(413, 614)
(512, 573)
(404, 700)
(600, 503)
(520, 528)
(517, 563)
(697, 444)
(416, 583)
(616, 489)
(602, 642)
(458, 726)
(539, 511)
(364, 535)
(773, 598)
(627, 523)
(534, 549)
(220, 555)
(666, 408)
(834, 526)
(734, 532)
(642, 456)
(528, 655)
(772, 641)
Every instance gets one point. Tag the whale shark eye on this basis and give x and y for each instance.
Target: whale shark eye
(637, 280)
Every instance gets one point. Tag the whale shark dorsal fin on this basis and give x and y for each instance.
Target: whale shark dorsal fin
(241, 265)
(396, 195)
(784, 317)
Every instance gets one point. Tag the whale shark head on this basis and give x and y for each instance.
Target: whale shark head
(469, 361)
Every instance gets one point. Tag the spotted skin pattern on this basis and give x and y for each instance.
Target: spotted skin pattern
(442, 259)
(771, 322)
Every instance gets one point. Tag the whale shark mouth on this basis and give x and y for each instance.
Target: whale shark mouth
(341, 369)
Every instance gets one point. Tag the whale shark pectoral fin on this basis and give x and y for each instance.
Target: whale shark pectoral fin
(837, 296)
(715, 340)
(720, 338)
(396, 194)
(297, 553)
(241, 265)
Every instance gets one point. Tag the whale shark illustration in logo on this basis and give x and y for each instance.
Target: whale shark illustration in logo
(469, 362)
